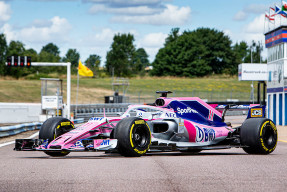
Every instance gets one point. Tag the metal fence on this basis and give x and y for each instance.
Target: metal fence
(210, 96)
(87, 111)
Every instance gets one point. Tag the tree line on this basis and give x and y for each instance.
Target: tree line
(200, 52)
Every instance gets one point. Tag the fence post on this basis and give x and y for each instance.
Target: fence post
(211, 94)
(140, 96)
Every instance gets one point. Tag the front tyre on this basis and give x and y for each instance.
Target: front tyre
(134, 137)
(53, 128)
(259, 135)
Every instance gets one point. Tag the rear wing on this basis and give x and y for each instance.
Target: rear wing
(254, 110)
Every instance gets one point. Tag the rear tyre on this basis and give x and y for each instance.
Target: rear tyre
(259, 135)
(134, 137)
(53, 128)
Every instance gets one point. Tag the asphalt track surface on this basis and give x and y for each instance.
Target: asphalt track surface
(216, 170)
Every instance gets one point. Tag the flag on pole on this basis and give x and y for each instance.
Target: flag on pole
(283, 13)
(84, 71)
(272, 12)
(284, 6)
(279, 11)
(270, 18)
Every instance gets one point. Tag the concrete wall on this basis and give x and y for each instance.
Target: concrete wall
(19, 112)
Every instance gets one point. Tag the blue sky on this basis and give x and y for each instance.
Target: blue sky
(89, 25)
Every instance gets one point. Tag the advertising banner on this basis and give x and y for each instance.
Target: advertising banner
(52, 102)
(252, 72)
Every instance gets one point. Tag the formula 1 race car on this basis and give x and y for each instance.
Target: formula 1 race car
(170, 124)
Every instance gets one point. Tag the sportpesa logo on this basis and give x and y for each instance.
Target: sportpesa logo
(187, 110)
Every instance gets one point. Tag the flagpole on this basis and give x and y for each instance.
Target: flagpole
(269, 21)
(274, 17)
(273, 14)
(264, 22)
(77, 90)
(281, 11)
(269, 16)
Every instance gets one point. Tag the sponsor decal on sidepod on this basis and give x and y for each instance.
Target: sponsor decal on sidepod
(187, 110)
(204, 134)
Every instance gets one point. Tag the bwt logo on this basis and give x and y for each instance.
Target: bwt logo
(187, 110)
(105, 142)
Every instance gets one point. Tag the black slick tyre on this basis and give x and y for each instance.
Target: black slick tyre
(258, 136)
(53, 128)
(134, 137)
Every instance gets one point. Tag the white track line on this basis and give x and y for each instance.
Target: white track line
(9, 143)
(34, 135)
(12, 142)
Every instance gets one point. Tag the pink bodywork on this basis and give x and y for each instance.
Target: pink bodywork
(198, 133)
(69, 139)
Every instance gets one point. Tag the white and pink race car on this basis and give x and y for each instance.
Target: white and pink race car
(170, 124)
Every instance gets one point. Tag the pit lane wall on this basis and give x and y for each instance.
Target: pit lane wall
(19, 112)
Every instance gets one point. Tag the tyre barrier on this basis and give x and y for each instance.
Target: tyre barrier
(16, 129)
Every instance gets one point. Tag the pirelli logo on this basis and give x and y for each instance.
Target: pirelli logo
(257, 112)
(139, 122)
(65, 123)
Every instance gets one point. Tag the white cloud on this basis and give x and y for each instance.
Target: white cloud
(253, 31)
(8, 31)
(240, 16)
(99, 42)
(125, 3)
(151, 53)
(256, 26)
(172, 15)
(41, 23)
(227, 32)
(102, 38)
(243, 14)
(140, 10)
(255, 8)
(5, 12)
(40, 32)
(152, 40)
(54, 30)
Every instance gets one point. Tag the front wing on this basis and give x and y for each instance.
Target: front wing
(83, 145)
(111, 145)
